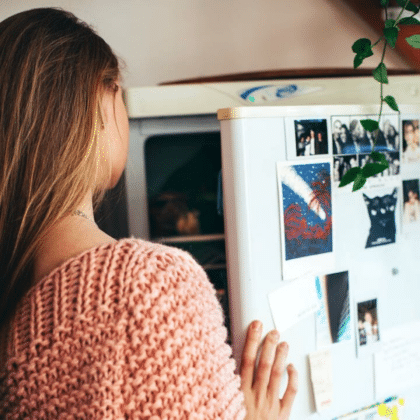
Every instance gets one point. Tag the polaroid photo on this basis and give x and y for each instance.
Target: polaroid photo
(306, 215)
(311, 137)
(368, 332)
(381, 210)
(410, 143)
(411, 207)
(333, 318)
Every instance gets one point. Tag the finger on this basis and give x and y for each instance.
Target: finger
(277, 371)
(266, 362)
(289, 396)
(249, 355)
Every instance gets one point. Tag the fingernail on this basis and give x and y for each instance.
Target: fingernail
(256, 326)
(275, 335)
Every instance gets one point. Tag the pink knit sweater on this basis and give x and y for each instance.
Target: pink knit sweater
(127, 330)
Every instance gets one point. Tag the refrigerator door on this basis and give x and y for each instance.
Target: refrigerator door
(361, 267)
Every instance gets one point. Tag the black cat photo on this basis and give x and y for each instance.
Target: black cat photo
(382, 218)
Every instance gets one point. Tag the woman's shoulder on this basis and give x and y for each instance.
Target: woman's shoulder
(56, 250)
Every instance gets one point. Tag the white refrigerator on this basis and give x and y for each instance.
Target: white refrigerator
(336, 272)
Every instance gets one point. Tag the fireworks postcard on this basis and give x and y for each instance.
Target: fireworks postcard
(306, 213)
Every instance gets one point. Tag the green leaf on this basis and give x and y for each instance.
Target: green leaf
(391, 35)
(369, 125)
(409, 21)
(384, 3)
(358, 59)
(389, 23)
(391, 102)
(371, 169)
(363, 47)
(410, 6)
(380, 73)
(349, 176)
(379, 157)
(359, 182)
(414, 41)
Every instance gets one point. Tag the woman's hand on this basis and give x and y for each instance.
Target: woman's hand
(262, 389)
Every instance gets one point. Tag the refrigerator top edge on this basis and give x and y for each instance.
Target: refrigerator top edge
(207, 99)
(312, 111)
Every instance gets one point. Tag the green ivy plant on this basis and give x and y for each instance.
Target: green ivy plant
(363, 49)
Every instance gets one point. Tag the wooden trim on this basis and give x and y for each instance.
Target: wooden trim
(289, 74)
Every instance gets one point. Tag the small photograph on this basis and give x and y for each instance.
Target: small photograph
(333, 316)
(351, 138)
(393, 159)
(411, 149)
(411, 212)
(340, 134)
(391, 136)
(381, 211)
(342, 164)
(311, 137)
(306, 198)
(368, 330)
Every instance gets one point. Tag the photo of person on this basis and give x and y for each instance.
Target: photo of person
(342, 164)
(311, 137)
(306, 197)
(340, 135)
(391, 135)
(393, 159)
(368, 330)
(411, 149)
(349, 137)
(333, 316)
(411, 212)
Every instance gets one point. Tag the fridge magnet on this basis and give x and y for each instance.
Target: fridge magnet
(381, 211)
(391, 409)
(333, 316)
(411, 149)
(349, 136)
(306, 209)
(311, 137)
(367, 327)
(411, 212)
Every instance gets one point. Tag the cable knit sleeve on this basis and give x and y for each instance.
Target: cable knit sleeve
(177, 362)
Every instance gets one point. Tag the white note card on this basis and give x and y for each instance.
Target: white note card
(397, 365)
(322, 378)
(293, 301)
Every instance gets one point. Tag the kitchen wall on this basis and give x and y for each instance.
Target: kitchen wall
(162, 40)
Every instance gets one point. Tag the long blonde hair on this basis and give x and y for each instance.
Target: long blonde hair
(54, 70)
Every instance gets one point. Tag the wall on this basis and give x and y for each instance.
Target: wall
(163, 40)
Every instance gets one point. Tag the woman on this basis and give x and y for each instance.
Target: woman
(92, 327)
